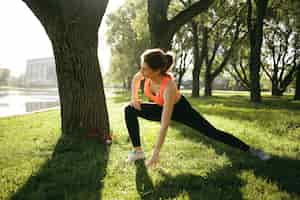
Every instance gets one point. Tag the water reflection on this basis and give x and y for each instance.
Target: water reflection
(21, 101)
(15, 102)
(35, 106)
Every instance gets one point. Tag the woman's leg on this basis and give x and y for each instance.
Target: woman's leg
(187, 115)
(148, 111)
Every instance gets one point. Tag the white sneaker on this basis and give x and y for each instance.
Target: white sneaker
(260, 154)
(135, 155)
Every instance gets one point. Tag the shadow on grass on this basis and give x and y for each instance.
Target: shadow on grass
(226, 182)
(193, 186)
(76, 170)
(222, 183)
(144, 183)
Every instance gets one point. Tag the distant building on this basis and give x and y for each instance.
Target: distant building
(41, 72)
(4, 76)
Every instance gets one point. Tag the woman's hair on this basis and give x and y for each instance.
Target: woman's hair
(157, 59)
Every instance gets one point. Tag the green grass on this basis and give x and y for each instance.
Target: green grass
(36, 162)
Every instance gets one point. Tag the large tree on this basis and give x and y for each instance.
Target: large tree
(223, 40)
(255, 29)
(163, 29)
(217, 30)
(280, 48)
(193, 32)
(237, 67)
(72, 27)
(197, 54)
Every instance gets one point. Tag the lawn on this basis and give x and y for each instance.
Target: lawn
(38, 163)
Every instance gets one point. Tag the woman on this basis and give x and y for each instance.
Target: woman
(168, 104)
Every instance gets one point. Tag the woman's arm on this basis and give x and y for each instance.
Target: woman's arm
(135, 85)
(169, 101)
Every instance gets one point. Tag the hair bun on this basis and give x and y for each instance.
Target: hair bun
(157, 59)
(169, 60)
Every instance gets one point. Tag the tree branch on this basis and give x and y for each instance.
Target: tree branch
(283, 69)
(289, 77)
(186, 15)
(214, 53)
(244, 79)
(266, 71)
(229, 51)
(244, 72)
(183, 3)
(214, 24)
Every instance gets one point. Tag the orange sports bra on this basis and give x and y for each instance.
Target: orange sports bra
(159, 99)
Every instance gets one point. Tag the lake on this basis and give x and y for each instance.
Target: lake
(22, 101)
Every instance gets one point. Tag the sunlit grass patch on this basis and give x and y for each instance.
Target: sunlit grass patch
(37, 163)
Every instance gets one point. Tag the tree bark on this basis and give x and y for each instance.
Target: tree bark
(73, 30)
(208, 86)
(256, 37)
(198, 59)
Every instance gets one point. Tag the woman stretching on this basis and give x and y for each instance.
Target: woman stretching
(168, 104)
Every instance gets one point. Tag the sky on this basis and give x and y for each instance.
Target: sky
(22, 37)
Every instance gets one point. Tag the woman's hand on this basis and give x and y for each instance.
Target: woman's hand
(153, 161)
(136, 104)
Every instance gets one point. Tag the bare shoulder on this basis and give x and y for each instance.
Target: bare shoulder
(171, 87)
(139, 75)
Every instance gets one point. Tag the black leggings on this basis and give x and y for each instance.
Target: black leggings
(183, 113)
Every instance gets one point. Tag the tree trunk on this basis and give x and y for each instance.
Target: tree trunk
(255, 91)
(276, 91)
(198, 59)
(297, 92)
(82, 98)
(179, 80)
(256, 37)
(207, 80)
(161, 41)
(182, 68)
(196, 83)
(208, 86)
(73, 30)
(161, 29)
(128, 85)
(274, 81)
(197, 66)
